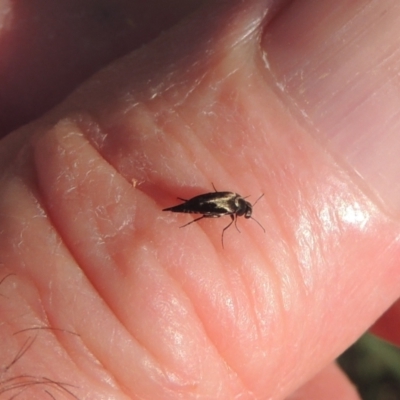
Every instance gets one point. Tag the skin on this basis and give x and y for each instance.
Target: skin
(260, 97)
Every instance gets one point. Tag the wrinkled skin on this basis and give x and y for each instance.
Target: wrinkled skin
(295, 100)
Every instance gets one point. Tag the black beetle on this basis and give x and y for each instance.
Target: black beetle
(215, 205)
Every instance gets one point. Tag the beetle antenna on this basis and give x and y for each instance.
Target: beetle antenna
(257, 201)
(216, 191)
(258, 224)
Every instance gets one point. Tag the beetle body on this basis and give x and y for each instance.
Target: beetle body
(215, 205)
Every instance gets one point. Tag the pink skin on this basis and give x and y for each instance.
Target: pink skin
(242, 95)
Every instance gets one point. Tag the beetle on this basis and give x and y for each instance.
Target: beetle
(215, 205)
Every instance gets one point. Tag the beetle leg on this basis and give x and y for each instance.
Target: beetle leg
(236, 224)
(191, 222)
(198, 219)
(223, 230)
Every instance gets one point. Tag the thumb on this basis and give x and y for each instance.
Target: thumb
(339, 66)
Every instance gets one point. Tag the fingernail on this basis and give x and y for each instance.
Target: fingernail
(339, 63)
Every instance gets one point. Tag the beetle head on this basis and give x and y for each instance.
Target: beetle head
(244, 208)
(248, 210)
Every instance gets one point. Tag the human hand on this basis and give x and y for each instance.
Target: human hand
(253, 98)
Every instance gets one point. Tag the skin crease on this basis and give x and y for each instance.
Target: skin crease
(166, 313)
